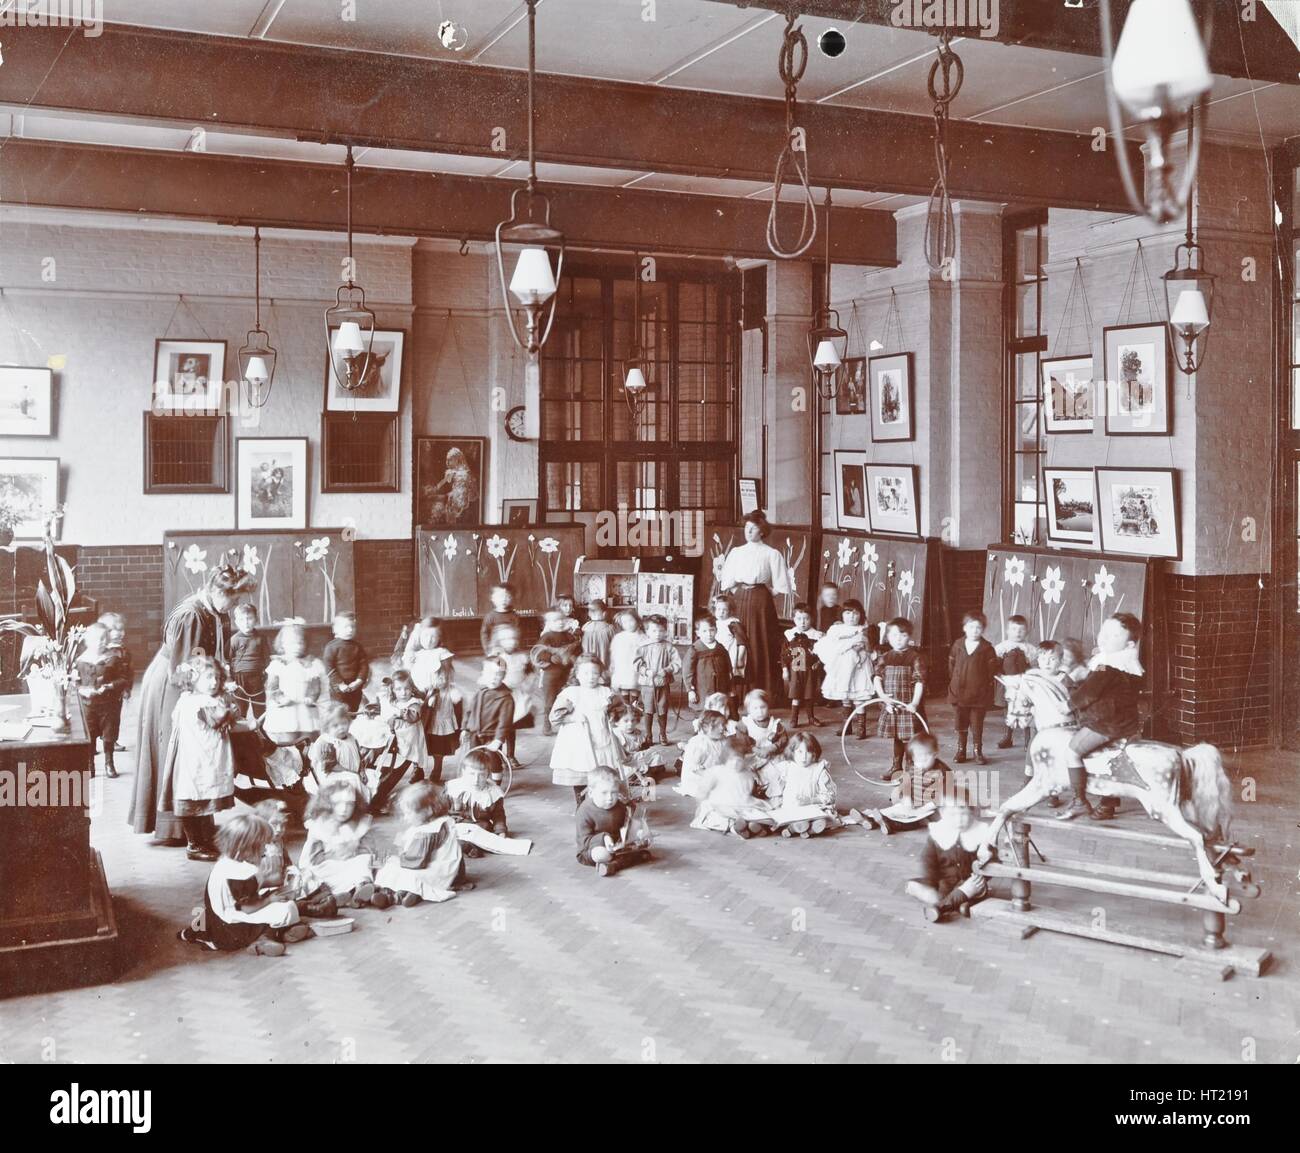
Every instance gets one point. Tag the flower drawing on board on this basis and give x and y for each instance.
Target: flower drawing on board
(449, 547)
(496, 547)
(317, 549)
(844, 553)
(548, 544)
(870, 557)
(1052, 585)
(250, 559)
(906, 583)
(1014, 572)
(196, 559)
(1103, 585)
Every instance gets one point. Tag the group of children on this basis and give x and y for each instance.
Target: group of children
(600, 687)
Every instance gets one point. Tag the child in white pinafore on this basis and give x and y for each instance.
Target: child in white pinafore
(726, 793)
(334, 854)
(585, 739)
(704, 750)
(845, 654)
(428, 865)
(335, 753)
(297, 685)
(623, 649)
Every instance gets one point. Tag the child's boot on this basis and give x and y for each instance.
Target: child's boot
(961, 757)
(980, 758)
(1008, 740)
(110, 769)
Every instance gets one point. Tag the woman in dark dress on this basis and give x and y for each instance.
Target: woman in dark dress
(197, 624)
(752, 573)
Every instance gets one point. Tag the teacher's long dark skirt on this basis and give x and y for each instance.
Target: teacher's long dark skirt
(757, 612)
(158, 697)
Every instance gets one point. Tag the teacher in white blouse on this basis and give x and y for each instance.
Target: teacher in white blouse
(753, 573)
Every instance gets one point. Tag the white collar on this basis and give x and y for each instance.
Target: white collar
(1124, 661)
(945, 836)
(810, 632)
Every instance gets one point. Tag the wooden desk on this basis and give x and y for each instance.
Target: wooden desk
(56, 915)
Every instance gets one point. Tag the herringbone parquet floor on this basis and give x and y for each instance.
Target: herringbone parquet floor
(720, 950)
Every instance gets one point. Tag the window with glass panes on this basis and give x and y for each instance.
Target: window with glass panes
(1024, 253)
(679, 451)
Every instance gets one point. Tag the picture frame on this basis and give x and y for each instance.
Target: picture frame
(893, 415)
(1071, 506)
(1068, 394)
(1138, 512)
(26, 401)
(893, 504)
(1139, 380)
(851, 395)
(751, 495)
(448, 493)
(850, 482)
(189, 375)
(271, 482)
(382, 389)
(519, 512)
(30, 484)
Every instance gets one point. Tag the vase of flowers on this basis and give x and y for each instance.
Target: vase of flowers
(49, 650)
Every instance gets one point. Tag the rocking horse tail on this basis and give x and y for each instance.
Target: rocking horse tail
(1207, 792)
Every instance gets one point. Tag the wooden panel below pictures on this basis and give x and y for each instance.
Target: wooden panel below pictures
(889, 575)
(458, 568)
(309, 574)
(795, 544)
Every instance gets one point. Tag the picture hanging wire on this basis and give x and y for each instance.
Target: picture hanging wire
(944, 82)
(791, 64)
(893, 323)
(1076, 283)
(1129, 297)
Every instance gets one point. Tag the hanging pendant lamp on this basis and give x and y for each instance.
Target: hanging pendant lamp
(828, 343)
(257, 355)
(349, 323)
(635, 385)
(1189, 297)
(533, 282)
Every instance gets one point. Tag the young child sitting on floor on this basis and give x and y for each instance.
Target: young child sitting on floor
(631, 761)
(334, 854)
(428, 865)
(727, 796)
(766, 731)
(479, 807)
(947, 883)
(924, 783)
(801, 789)
(335, 753)
(602, 818)
(703, 751)
(235, 915)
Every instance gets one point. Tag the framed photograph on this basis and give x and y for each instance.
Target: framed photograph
(519, 512)
(892, 503)
(188, 375)
(26, 401)
(381, 391)
(1138, 510)
(751, 495)
(448, 482)
(851, 398)
(1067, 393)
(1071, 505)
(851, 491)
(892, 417)
(271, 482)
(30, 486)
(1139, 380)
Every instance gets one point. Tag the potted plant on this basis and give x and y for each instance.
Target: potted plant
(10, 517)
(49, 649)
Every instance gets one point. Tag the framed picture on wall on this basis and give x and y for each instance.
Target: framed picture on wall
(26, 401)
(29, 486)
(188, 375)
(449, 477)
(851, 397)
(519, 511)
(751, 495)
(1139, 380)
(892, 498)
(1071, 505)
(851, 491)
(892, 417)
(1067, 393)
(1138, 511)
(271, 482)
(381, 390)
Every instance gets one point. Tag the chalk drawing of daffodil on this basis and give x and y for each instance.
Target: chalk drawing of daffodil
(317, 549)
(1103, 585)
(449, 547)
(1013, 575)
(870, 556)
(548, 544)
(250, 559)
(844, 553)
(546, 559)
(196, 559)
(1052, 586)
(318, 553)
(497, 549)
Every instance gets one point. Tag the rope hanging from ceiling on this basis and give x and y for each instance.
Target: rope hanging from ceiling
(793, 161)
(944, 82)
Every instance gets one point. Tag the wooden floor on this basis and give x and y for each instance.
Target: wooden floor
(720, 950)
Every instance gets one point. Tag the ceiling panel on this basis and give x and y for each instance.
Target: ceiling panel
(1278, 109)
(273, 148)
(113, 133)
(394, 26)
(222, 18)
(672, 182)
(427, 161)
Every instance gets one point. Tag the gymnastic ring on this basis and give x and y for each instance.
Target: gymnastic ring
(849, 720)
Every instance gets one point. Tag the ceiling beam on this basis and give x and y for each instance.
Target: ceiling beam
(368, 98)
(1243, 49)
(288, 194)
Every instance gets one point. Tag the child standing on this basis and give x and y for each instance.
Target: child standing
(200, 775)
(597, 633)
(657, 664)
(567, 608)
(845, 654)
(297, 685)
(585, 740)
(708, 667)
(503, 613)
(334, 855)
(428, 865)
(248, 659)
(433, 674)
(490, 714)
(732, 637)
(557, 648)
(519, 668)
(346, 662)
(800, 669)
(1017, 656)
(623, 649)
(336, 752)
(1074, 661)
(828, 606)
(900, 675)
(104, 676)
(120, 657)
(948, 883)
(403, 712)
(972, 666)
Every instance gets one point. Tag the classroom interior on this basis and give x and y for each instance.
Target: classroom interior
(953, 377)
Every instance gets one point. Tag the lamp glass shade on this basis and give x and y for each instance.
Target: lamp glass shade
(1190, 314)
(635, 382)
(1160, 65)
(256, 372)
(876, 346)
(347, 339)
(533, 282)
(827, 357)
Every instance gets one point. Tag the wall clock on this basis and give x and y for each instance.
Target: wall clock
(515, 423)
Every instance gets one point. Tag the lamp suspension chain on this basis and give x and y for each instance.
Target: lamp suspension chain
(791, 64)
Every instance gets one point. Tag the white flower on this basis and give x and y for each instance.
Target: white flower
(195, 559)
(1103, 585)
(1015, 571)
(1052, 585)
(906, 583)
(548, 544)
(449, 547)
(251, 559)
(719, 562)
(844, 553)
(317, 549)
(496, 546)
(531, 538)
(869, 556)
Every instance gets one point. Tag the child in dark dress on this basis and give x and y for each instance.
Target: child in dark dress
(900, 675)
(104, 675)
(708, 667)
(556, 650)
(490, 714)
(972, 666)
(1016, 656)
(800, 669)
(503, 598)
(249, 656)
(828, 606)
(601, 818)
(948, 883)
(346, 662)
(598, 632)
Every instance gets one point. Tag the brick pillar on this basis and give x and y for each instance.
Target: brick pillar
(788, 495)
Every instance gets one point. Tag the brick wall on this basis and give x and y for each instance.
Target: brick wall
(127, 579)
(1218, 673)
(385, 592)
